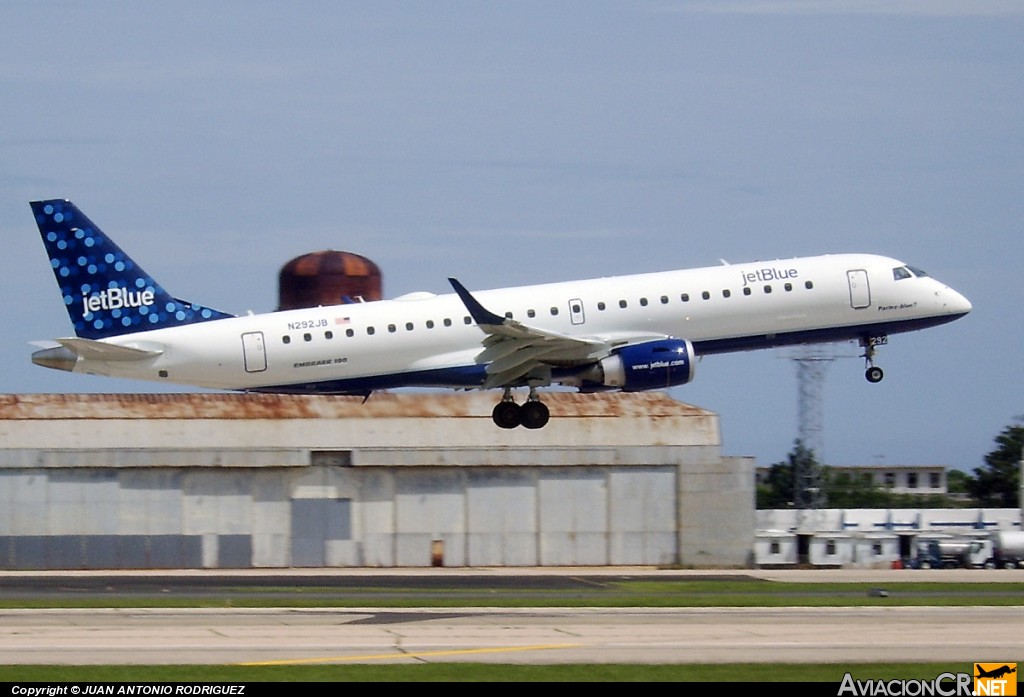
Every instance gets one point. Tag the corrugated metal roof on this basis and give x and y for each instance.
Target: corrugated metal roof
(380, 404)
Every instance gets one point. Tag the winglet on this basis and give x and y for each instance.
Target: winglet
(478, 312)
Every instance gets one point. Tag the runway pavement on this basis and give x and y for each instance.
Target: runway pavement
(530, 636)
(502, 635)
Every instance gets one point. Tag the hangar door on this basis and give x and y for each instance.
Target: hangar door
(315, 523)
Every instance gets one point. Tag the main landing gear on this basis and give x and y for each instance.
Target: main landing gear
(873, 373)
(533, 413)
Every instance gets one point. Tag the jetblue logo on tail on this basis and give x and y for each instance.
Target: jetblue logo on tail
(115, 299)
(105, 292)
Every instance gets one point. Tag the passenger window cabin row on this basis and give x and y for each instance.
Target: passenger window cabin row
(554, 310)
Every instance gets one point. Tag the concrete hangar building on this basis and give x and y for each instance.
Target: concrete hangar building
(412, 480)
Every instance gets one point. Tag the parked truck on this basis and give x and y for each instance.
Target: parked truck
(1007, 550)
(952, 553)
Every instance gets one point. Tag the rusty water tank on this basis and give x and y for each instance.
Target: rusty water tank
(328, 278)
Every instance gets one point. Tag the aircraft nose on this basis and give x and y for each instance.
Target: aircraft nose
(956, 303)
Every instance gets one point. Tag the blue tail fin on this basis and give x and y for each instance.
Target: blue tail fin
(105, 292)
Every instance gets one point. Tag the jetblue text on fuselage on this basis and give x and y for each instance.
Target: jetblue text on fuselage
(768, 274)
(116, 299)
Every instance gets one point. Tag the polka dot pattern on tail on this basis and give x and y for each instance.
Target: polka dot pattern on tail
(105, 292)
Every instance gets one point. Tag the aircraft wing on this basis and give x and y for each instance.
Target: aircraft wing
(512, 350)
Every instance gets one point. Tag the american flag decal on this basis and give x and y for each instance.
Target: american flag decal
(341, 320)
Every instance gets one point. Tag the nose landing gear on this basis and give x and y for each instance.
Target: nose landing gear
(872, 372)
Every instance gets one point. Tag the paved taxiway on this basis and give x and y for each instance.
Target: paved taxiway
(588, 635)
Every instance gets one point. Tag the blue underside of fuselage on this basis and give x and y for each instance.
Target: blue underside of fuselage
(818, 336)
(473, 376)
(468, 376)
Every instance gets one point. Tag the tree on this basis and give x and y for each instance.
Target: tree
(846, 490)
(998, 482)
(777, 489)
(956, 481)
(795, 482)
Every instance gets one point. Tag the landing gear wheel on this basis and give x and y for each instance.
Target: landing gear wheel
(870, 344)
(506, 414)
(534, 415)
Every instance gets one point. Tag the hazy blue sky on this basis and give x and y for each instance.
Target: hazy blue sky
(520, 142)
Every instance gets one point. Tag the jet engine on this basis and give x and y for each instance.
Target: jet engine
(651, 365)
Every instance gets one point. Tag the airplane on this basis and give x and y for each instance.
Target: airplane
(996, 672)
(628, 333)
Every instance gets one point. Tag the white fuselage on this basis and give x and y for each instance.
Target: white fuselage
(431, 340)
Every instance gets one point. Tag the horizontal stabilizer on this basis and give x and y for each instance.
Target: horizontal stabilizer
(66, 355)
(102, 351)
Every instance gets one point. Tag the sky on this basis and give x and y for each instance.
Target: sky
(509, 143)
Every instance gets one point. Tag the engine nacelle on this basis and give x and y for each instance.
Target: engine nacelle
(649, 366)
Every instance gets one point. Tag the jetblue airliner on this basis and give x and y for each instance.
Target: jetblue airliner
(628, 333)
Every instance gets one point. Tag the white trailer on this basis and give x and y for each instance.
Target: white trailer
(1007, 550)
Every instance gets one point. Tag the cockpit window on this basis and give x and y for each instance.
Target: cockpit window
(901, 272)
